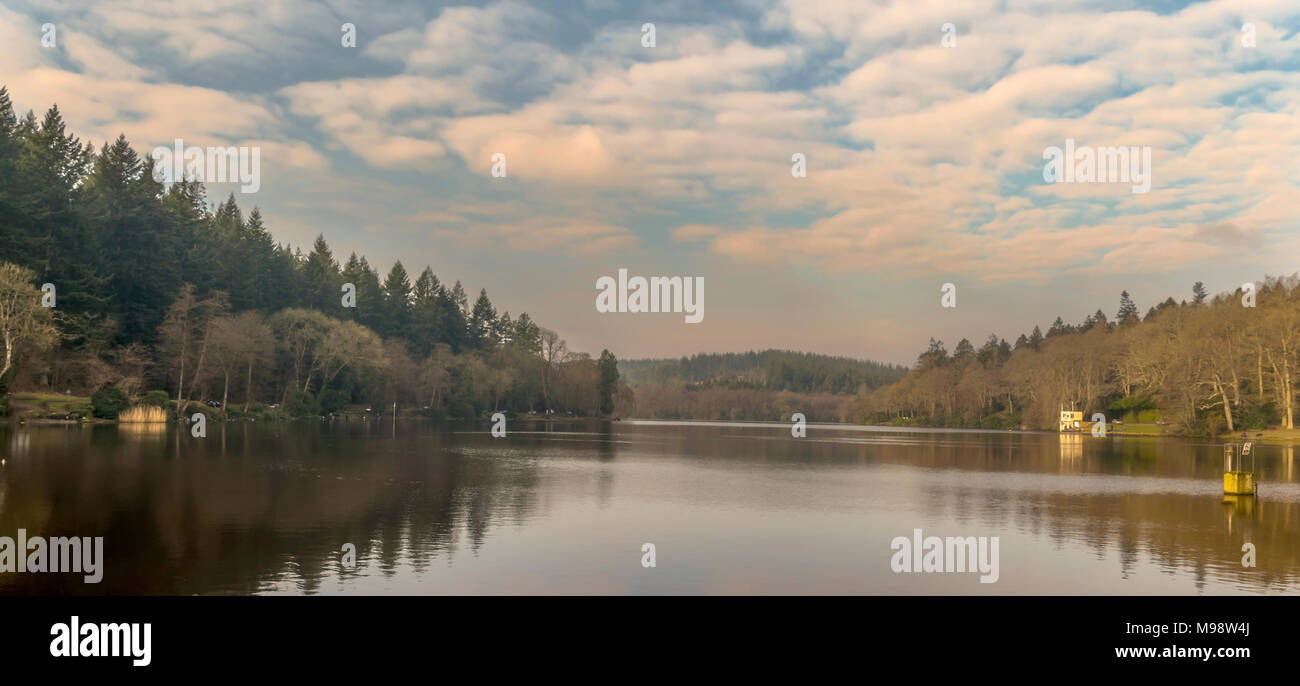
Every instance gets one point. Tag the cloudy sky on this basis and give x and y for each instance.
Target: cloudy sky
(924, 162)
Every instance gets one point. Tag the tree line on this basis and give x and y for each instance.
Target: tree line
(1205, 366)
(767, 370)
(156, 288)
(769, 385)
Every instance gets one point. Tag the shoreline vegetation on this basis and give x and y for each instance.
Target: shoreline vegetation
(51, 409)
(118, 290)
(37, 414)
(1210, 367)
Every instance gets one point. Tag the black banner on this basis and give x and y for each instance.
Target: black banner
(938, 635)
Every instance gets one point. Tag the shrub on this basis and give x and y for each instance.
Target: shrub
(1133, 403)
(1212, 425)
(333, 401)
(1143, 417)
(156, 399)
(265, 413)
(108, 401)
(460, 408)
(1260, 416)
(301, 405)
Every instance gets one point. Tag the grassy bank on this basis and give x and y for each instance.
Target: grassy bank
(1266, 435)
(58, 408)
(48, 406)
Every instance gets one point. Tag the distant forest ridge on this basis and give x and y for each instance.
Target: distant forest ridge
(769, 370)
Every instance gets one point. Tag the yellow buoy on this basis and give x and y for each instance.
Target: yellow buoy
(1236, 479)
(1239, 483)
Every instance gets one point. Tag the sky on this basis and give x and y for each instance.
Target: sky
(923, 148)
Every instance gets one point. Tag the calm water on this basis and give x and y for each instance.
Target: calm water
(565, 508)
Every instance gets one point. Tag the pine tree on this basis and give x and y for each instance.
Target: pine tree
(482, 322)
(371, 317)
(607, 367)
(257, 257)
(503, 330)
(1059, 328)
(289, 288)
(426, 287)
(140, 242)
(1128, 311)
(1099, 319)
(458, 297)
(451, 318)
(397, 303)
(47, 172)
(10, 145)
(527, 335)
(323, 280)
(426, 315)
(223, 241)
(354, 272)
(989, 353)
(934, 356)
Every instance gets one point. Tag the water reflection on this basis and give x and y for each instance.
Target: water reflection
(564, 508)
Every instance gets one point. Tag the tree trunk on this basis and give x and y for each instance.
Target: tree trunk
(225, 391)
(9, 353)
(180, 382)
(198, 368)
(546, 392)
(1236, 382)
(1288, 393)
(248, 388)
(1277, 379)
(1259, 369)
(1227, 410)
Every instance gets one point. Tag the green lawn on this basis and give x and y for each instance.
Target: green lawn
(1269, 435)
(43, 403)
(1138, 429)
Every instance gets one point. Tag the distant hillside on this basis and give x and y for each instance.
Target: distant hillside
(769, 370)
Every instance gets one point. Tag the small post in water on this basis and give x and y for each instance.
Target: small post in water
(1236, 479)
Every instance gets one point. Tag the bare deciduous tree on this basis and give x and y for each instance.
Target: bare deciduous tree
(23, 321)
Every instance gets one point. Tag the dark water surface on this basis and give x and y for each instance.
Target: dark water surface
(565, 508)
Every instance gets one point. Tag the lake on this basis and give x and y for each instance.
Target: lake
(566, 507)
